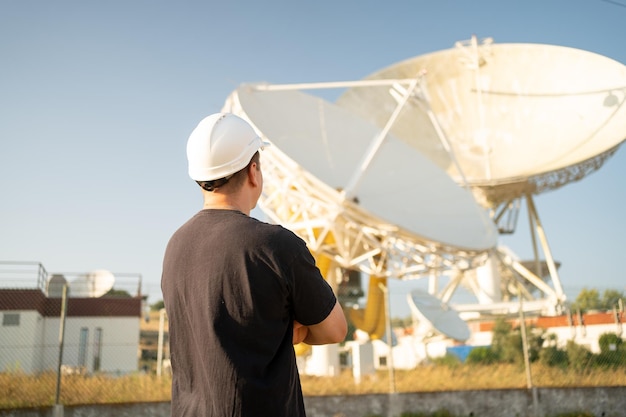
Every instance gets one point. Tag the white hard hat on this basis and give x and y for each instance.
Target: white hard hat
(221, 145)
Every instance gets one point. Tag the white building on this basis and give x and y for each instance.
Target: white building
(100, 335)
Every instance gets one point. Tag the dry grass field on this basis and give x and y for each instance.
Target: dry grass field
(443, 378)
(19, 390)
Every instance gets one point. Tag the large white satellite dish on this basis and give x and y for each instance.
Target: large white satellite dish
(93, 284)
(509, 120)
(436, 317)
(329, 171)
(519, 118)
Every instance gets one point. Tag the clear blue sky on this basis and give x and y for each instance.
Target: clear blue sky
(97, 99)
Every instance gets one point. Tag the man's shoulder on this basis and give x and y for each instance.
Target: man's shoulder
(275, 233)
(273, 229)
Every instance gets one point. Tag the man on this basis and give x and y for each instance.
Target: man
(239, 292)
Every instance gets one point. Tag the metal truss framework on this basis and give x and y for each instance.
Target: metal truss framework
(341, 230)
(492, 195)
(335, 226)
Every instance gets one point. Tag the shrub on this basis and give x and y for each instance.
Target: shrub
(553, 356)
(579, 357)
(449, 360)
(610, 342)
(482, 355)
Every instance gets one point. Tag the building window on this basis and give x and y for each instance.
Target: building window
(82, 347)
(11, 319)
(382, 361)
(97, 347)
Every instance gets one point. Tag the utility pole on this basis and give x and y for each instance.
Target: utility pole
(58, 407)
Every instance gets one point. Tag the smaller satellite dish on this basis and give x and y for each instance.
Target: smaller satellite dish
(434, 314)
(400, 186)
(93, 284)
(55, 285)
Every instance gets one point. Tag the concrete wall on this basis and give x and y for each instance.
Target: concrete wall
(599, 401)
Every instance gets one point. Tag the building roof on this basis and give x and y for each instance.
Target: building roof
(35, 299)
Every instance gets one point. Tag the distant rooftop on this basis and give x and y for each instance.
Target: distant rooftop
(27, 275)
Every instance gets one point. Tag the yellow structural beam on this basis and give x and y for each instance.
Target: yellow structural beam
(371, 319)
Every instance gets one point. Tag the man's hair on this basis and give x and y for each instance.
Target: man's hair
(233, 181)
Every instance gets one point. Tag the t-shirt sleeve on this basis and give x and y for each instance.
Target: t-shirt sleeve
(312, 297)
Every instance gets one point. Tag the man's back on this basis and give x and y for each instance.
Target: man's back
(232, 287)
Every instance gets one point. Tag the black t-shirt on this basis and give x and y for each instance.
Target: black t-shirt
(232, 286)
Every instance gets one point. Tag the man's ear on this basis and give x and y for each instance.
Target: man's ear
(253, 171)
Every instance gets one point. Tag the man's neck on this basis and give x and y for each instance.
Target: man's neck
(223, 202)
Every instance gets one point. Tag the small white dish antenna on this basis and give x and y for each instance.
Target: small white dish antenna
(434, 314)
(93, 284)
(55, 285)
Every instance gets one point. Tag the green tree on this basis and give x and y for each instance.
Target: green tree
(587, 299)
(117, 293)
(500, 339)
(507, 344)
(610, 299)
(511, 349)
(157, 306)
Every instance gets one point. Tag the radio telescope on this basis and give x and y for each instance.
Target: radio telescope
(364, 198)
(361, 198)
(509, 121)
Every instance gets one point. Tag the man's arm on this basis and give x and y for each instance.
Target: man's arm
(300, 331)
(332, 329)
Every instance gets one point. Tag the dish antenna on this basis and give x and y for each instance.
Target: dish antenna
(55, 285)
(436, 317)
(519, 118)
(508, 120)
(93, 284)
(355, 192)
